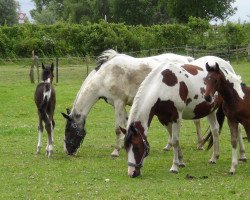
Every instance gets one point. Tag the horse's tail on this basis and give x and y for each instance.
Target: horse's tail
(104, 57)
(220, 118)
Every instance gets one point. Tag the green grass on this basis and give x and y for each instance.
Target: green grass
(24, 175)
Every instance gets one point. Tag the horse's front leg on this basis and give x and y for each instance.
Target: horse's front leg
(49, 129)
(169, 142)
(40, 133)
(120, 121)
(243, 157)
(214, 126)
(178, 158)
(234, 128)
(197, 124)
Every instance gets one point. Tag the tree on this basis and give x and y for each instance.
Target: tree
(8, 12)
(205, 9)
(48, 11)
(134, 12)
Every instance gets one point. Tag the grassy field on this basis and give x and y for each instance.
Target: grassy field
(93, 174)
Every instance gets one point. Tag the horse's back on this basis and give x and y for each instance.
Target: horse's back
(40, 94)
(211, 61)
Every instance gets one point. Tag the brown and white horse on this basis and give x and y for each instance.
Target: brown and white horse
(172, 92)
(45, 99)
(116, 79)
(236, 104)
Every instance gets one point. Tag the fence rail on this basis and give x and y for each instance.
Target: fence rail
(237, 53)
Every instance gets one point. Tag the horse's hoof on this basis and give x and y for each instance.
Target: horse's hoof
(212, 162)
(167, 148)
(115, 153)
(243, 159)
(200, 148)
(231, 173)
(174, 171)
(182, 165)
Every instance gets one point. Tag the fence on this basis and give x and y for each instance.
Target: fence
(237, 53)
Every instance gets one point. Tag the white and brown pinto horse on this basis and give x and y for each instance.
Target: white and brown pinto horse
(116, 79)
(236, 104)
(172, 92)
(45, 99)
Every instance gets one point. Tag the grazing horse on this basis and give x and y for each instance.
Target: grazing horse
(116, 79)
(45, 99)
(236, 96)
(172, 92)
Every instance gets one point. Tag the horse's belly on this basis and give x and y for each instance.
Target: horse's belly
(197, 110)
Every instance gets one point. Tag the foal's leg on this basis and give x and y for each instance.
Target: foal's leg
(40, 133)
(177, 151)
(49, 129)
(120, 121)
(197, 124)
(214, 126)
(234, 128)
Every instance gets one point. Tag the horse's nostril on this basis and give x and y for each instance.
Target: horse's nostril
(208, 98)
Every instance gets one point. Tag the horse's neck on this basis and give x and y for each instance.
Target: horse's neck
(231, 95)
(85, 99)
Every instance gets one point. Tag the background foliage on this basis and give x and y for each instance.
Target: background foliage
(62, 39)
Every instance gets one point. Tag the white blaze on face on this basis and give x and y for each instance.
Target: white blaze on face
(131, 159)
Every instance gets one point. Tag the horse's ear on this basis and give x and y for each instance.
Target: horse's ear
(123, 130)
(43, 66)
(217, 66)
(52, 67)
(208, 68)
(66, 116)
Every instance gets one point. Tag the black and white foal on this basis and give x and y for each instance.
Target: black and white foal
(45, 99)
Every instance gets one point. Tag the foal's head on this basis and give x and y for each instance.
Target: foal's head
(212, 81)
(74, 134)
(48, 75)
(137, 147)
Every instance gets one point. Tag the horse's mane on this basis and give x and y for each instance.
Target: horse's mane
(232, 77)
(104, 57)
(140, 95)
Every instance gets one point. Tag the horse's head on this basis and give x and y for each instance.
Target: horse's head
(137, 147)
(74, 134)
(48, 75)
(212, 81)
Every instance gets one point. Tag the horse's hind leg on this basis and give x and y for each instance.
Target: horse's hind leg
(40, 133)
(49, 129)
(120, 121)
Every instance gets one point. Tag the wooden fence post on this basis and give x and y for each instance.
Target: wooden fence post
(248, 53)
(57, 60)
(34, 63)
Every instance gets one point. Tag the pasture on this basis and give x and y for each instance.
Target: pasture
(92, 173)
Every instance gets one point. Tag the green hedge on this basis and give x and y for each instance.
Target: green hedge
(64, 39)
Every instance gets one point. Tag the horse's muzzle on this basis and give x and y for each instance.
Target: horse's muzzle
(133, 172)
